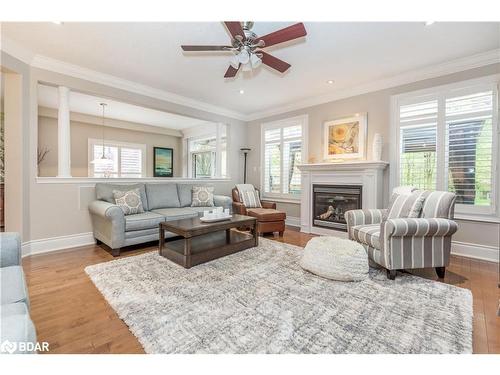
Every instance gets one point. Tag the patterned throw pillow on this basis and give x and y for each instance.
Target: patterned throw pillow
(251, 199)
(203, 196)
(129, 201)
(406, 205)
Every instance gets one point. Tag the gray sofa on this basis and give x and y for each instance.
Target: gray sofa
(161, 201)
(16, 327)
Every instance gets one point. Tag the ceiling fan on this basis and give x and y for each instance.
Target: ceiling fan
(247, 46)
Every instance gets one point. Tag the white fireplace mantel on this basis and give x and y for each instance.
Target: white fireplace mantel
(368, 174)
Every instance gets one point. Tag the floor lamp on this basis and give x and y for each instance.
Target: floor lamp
(245, 151)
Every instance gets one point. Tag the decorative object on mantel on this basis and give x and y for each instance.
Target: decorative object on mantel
(245, 151)
(345, 138)
(163, 162)
(377, 147)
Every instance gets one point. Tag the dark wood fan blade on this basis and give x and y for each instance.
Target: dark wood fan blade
(206, 48)
(234, 28)
(275, 63)
(231, 72)
(288, 33)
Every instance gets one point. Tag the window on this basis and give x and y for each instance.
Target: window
(127, 160)
(447, 140)
(204, 160)
(283, 147)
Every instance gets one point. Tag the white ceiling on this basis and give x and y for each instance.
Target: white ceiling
(351, 54)
(90, 105)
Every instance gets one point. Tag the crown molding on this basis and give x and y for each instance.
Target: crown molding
(433, 71)
(15, 50)
(47, 63)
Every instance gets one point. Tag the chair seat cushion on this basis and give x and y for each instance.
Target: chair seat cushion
(266, 214)
(368, 234)
(13, 286)
(146, 220)
(177, 213)
(335, 258)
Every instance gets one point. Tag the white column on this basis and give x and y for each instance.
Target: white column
(218, 159)
(63, 134)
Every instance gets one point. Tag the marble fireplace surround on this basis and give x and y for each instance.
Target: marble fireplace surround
(368, 174)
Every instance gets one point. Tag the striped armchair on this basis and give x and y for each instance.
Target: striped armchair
(409, 243)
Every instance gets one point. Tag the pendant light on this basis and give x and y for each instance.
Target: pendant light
(103, 161)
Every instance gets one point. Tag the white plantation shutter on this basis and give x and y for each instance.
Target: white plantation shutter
(131, 162)
(469, 154)
(447, 141)
(127, 159)
(417, 157)
(282, 152)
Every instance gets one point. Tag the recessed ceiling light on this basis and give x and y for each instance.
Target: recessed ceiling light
(330, 81)
(428, 23)
(242, 92)
(57, 22)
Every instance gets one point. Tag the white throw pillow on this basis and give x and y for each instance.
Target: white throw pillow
(203, 196)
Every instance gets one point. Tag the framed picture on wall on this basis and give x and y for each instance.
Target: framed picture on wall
(163, 162)
(345, 138)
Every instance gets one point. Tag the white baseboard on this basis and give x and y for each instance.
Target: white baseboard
(47, 245)
(475, 251)
(292, 221)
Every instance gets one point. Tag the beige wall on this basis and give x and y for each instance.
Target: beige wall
(80, 134)
(377, 106)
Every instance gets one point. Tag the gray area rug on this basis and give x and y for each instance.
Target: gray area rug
(261, 301)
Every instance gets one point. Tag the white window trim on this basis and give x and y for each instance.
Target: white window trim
(218, 150)
(491, 82)
(302, 120)
(110, 143)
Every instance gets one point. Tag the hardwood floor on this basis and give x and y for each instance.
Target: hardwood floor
(71, 314)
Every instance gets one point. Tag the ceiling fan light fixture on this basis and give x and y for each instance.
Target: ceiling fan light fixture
(234, 62)
(243, 57)
(255, 61)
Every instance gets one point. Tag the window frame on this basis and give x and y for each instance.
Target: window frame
(441, 93)
(110, 143)
(303, 121)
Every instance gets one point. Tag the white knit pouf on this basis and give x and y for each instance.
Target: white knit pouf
(335, 258)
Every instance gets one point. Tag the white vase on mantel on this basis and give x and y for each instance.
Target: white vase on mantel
(377, 147)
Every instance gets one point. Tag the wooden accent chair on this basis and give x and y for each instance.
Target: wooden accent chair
(269, 219)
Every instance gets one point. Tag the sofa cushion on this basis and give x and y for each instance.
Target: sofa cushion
(104, 192)
(176, 213)
(335, 258)
(185, 194)
(202, 209)
(129, 201)
(439, 204)
(368, 234)
(145, 220)
(202, 196)
(13, 286)
(18, 308)
(18, 328)
(266, 214)
(162, 196)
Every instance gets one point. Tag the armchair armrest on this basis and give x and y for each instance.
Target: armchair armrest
(362, 217)
(222, 201)
(239, 208)
(10, 249)
(267, 204)
(419, 227)
(108, 223)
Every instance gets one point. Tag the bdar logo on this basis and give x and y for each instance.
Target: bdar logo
(8, 347)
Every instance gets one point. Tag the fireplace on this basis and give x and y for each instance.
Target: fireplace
(330, 202)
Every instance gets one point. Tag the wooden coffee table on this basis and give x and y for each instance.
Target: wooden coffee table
(202, 242)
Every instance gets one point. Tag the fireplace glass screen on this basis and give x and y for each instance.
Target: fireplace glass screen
(330, 202)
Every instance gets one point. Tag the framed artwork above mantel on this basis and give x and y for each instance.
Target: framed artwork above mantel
(163, 162)
(345, 138)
